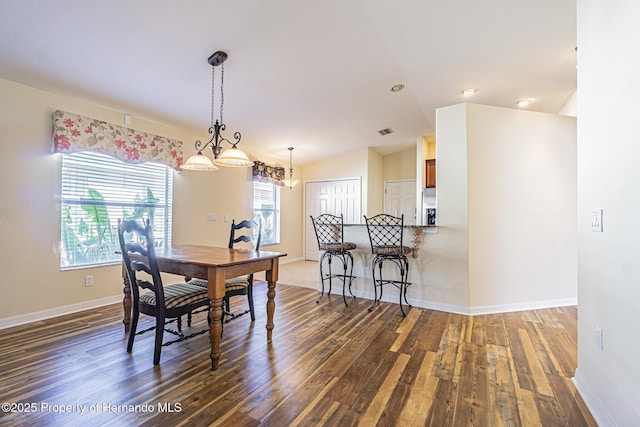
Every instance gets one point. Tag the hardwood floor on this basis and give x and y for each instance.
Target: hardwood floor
(327, 365)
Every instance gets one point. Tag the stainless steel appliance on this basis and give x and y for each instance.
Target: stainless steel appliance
(429, 206)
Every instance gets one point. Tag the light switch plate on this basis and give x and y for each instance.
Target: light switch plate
(596, 220)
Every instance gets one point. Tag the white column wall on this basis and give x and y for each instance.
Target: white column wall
(608, 177)
(445, 255)
(521, 168)
(506, 210)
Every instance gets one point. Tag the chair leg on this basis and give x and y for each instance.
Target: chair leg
(406, 281)
(345, 265)
(376, 263)
(179, 324)
(189, 319)
(158, 344)
(404, 276)
(250, 298)
(321, 277)
(330, 274)
(132, 330)
(350, 259)
(380, 281)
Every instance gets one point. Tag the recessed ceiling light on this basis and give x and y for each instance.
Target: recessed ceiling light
(397, 88)
(524, 102)
(469, 92)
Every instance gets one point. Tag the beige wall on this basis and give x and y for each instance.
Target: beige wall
(400, 165)
(375, 184)
(430, 151)
(608, 176)
(348, 165)
(32, 283)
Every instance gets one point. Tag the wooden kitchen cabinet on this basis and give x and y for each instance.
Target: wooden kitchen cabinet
(431, 173)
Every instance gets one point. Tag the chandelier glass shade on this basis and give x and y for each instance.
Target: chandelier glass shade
(233, 156)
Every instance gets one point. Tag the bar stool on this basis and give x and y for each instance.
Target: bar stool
(385, 235)
(329, 232)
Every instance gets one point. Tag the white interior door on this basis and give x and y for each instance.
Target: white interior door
(400, 199)
(332, 197)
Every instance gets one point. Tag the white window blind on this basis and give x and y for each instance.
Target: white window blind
(97, 190)
(266, 208)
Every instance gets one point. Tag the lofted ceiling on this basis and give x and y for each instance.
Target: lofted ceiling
(314, 75)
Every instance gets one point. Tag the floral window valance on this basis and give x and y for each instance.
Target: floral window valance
(266, 173)
(73, 133)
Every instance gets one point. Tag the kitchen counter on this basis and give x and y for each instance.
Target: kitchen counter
(415, 234)
(415, 237)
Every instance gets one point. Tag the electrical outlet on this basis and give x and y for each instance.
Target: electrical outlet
(88, 281)
(599, 338)
(226, 218)
(211, 217)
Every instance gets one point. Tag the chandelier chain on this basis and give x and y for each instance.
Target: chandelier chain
(221, 92)
(213, 92)
(290, 163)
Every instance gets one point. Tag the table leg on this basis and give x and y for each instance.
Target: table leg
(216, 292)
(215, 331)
(126, 300)
(272, 278)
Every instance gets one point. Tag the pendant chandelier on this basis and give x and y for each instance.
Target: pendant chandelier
(290, 182)
(233, 156)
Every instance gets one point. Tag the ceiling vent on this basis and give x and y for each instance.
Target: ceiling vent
(386, 131)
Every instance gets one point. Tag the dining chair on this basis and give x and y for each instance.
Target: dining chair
(385, 236)
(330, 235)
(249, 232)
(149, 295)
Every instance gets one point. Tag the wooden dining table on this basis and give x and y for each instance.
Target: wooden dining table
(215, 265)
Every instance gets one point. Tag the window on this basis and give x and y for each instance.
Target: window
(97, 190)
(266, 208)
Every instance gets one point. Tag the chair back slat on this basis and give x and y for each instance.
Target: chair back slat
(329, 229)
(139, 232)
(252, 234)
(385, 230)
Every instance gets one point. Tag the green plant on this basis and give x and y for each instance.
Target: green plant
(144, 205)
(89, 236)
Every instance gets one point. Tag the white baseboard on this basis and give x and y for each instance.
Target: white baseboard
(533, 305)
(591, 400)
(21, 319)
(417, 303)
(447, 308)
(474, 311)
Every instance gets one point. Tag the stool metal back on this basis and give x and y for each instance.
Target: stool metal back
(385, 235)
(329, 231)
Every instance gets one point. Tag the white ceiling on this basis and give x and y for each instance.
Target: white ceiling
(314, 75)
